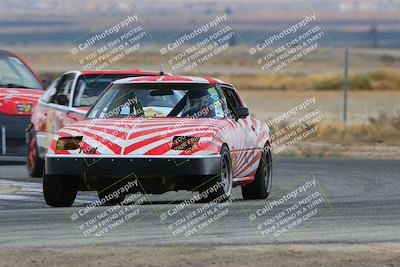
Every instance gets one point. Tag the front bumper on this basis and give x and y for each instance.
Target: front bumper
(104, 166)
(13, 134)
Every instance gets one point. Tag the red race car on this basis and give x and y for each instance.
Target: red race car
(20, 88)
(167, 132)
(66, 101)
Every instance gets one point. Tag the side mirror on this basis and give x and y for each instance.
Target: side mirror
(242, 112)
(62, 99)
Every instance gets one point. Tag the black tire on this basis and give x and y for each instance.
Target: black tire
(111, 202)
(261, 186)
(60, 190)
(222, 182)
(34, 163)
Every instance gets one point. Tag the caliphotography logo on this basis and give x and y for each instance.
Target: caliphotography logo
(110, 45)
(290, 43)
(122, 199)
(202, 212)
(200, 44)
(292, 209)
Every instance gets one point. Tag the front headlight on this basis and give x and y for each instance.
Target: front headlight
(185, 142)
(68, 143)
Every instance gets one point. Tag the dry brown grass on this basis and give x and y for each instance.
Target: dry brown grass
(379, 138)
(384, 129)
(368, 81)
(381, 130)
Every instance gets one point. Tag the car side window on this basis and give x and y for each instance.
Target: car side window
(64, 86)
(232, 100)
(50, 91)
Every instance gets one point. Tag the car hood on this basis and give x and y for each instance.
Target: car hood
(142, 136)
(18, 101)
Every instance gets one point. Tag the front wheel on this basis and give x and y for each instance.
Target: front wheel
(60, 190)
(34, 162)
(219, 188)
(261, 186)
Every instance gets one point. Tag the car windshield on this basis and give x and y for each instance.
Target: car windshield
(160, 100)
(90, 86)
(14, 74)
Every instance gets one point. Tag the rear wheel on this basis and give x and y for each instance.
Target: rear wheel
(60, 190)
(261, 186)
(34, 162)
(220, 187)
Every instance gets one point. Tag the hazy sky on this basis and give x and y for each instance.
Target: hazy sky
(329, 8)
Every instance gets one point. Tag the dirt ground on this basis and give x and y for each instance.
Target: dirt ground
(335, 255)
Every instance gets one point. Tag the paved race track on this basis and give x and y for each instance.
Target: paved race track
(350, 201)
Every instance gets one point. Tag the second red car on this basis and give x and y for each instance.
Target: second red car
(66, 101)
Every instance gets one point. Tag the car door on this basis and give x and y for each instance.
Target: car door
(40, 118)
(243, 153)
(41, 111)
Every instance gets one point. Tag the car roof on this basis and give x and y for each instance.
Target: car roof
(7, 53)
(171, 79)
(131, 71)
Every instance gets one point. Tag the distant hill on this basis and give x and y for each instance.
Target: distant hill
(348, 22)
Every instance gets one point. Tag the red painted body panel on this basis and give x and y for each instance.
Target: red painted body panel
(11, 98)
